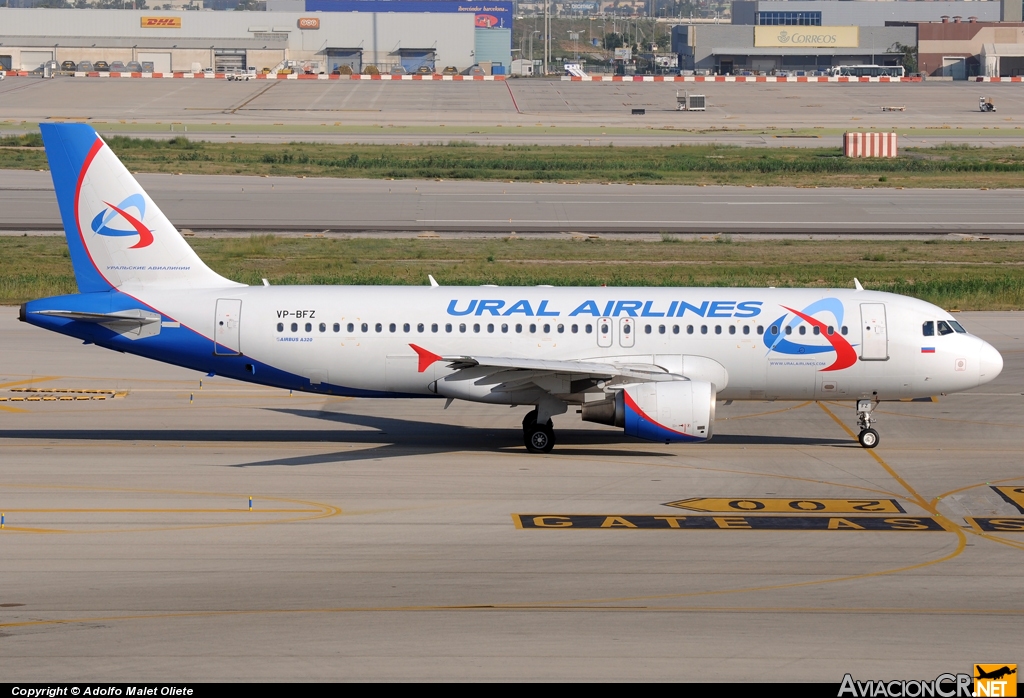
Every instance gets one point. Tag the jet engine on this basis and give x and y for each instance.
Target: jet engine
(663, 411)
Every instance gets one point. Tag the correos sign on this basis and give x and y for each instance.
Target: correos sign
(807, 37)
(309, 23)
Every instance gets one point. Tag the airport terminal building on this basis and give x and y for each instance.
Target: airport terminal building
(338, 38)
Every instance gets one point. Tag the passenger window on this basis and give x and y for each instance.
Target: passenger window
(448, 327)
(831, 330)
(379, 327)
(944, 328)
(547, 329)
(647, 329)
(626, 329)
(746, 329)
(675, 329)
(661, 329)
(817, 330)
(588, 329)
(476, 327)
(337, 327)
(760, 329)
(533, 329)
(280, 327)
(420, 328)
(958, 327)
(575, 329)
(462, 327)
(490, 328)
(689, 329)
(775, 329)
(433, 327)
(392, 327)
(504, 329)
(789, 329)
(803, 330)
(732, 329)
(351, 328)
(323, 326)
(309, 327)
(718, 329)
(604, 329)
(703, 329)
(843, 330)
(928, 329)
(519, 329)
(406, 327)
(561, 329)
(365, 327)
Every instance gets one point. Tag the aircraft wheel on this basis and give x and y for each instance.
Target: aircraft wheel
(868, 438)
(539, 438)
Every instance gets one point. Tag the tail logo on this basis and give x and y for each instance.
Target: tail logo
(101, 223)
(776, 336)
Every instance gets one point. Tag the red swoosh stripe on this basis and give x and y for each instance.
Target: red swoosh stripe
(145, 236)
(846, 355)
(427, 357)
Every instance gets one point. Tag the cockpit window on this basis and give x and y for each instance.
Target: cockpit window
(928, 329)
(944, 327)
(958, 327)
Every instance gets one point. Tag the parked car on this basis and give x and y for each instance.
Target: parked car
(424, 70)
(101, 66)
(242, 74)
(209, 71)
(133, 67)
(85, 67)
(68, 66)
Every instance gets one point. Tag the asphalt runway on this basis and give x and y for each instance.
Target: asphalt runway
(588, 113)
(382, 542)
(243, 205)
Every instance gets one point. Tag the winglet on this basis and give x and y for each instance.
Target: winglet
(426, 357)
(856, 284)
(433, 281)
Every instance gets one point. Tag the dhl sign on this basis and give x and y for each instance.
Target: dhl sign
(161, 22)
(309, 23)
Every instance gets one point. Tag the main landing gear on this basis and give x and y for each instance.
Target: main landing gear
(539, 438)
(868, 437)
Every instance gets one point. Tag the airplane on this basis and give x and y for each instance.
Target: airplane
(653, 362)
(995, 674)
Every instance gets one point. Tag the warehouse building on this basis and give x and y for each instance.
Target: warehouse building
(180, 41)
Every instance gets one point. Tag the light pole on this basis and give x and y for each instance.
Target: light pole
(531, 46)
(547, 35)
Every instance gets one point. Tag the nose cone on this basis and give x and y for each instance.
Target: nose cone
(990, 363)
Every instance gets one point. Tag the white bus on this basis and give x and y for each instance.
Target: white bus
(871, 71)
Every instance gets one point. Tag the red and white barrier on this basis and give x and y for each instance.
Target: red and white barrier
(292, 76)
(730, 78)
(869, 145)
(1017, 78)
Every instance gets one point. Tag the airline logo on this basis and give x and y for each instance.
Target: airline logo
(778, 334)
(161, 22)
(614, 308)
(486, 21)
(309, 23)
(110, 222)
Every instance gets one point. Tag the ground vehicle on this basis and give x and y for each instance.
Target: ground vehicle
(134, 67)
(450, 70)
(209, 71)
(986, 104)
(118, 67)
(68, 66)
(474, 70)
(243, 75)
(871, 71)
(101, 66)
(84, 67)
(399, 70)
(653, 361)
(424, 70)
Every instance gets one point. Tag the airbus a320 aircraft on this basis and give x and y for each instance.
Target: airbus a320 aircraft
(652, 361)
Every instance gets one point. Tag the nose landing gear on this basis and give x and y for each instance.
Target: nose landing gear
(868, 437)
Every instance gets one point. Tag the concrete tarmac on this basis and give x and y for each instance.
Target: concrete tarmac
(245, 205)
(581, 113)
(382, 543)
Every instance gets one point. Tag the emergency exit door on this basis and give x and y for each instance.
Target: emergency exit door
(875, 338)
(226, 327)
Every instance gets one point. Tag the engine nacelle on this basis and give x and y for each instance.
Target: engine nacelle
(662, 411)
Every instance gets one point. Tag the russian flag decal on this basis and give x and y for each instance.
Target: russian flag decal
(927, 350)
